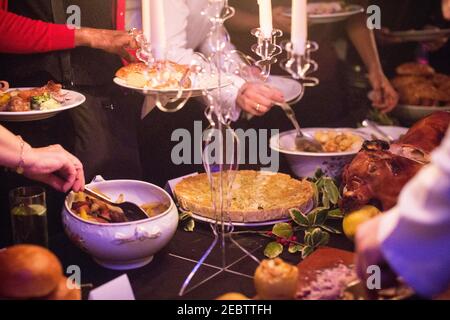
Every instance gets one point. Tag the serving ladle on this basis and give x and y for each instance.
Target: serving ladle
(303, 142)
(131, 210)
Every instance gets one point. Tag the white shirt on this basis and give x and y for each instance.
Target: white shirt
(187, 32)
(415, 235)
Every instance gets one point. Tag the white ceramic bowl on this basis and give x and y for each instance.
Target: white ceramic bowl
(412, 114)
(123, 246)
(305, 164)
(393, 131)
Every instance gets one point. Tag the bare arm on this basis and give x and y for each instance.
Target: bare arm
(384, 98)
(52, 165)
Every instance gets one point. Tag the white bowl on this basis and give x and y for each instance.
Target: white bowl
(412, 114)
(123, 246)
(305, 164)
(393, 131)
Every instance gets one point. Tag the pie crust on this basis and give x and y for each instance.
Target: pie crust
(256, 196)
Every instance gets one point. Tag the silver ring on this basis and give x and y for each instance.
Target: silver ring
(258, 107)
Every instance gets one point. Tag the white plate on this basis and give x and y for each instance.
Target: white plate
(412, 114)
(420, 35)
(209, 84)
(291, 89)
(247, 224)
(285, 143)
(331, 17)
(74, 99)
(393, 131)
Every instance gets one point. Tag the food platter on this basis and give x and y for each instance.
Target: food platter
(257, 198)
(73, 100)
(208, 84)
(348, 11)
(420, 35)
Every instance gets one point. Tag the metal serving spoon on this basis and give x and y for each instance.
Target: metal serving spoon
(372, 125)
(131, 210)
(303, 142)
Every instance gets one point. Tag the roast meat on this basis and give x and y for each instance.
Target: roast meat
(379, 172)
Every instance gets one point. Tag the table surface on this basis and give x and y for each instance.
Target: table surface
(164, 276)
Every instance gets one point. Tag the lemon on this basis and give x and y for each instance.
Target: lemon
(354, 219)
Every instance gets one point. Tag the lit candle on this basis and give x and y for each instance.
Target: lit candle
(299, 32)
(154, 27)
(265, 18)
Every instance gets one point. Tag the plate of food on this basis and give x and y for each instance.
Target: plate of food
(340, 146)
(31, 104)
(329, 12)
(422, 91)
(258, 198)
(177, 80)
(420, 35)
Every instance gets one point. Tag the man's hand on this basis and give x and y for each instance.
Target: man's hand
(258, 98)
(112, 41)
(54, 166)
(383, 95)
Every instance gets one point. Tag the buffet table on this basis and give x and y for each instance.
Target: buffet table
(163, 277)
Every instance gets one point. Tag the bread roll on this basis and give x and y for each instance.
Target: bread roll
(28, 271)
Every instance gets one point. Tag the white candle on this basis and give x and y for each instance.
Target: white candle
(265, 18)
(299, 32)
(154, 27)
(146, 28)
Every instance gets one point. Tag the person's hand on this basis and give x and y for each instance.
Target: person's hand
(281, 20)
(368, 253)
(258, 98)
(383, 95)
(54, 166)
(112, 41)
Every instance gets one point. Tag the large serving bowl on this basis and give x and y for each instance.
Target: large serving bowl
(305, 164)
(411, 114)
(123, 246)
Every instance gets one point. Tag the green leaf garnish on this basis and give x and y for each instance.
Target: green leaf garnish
(283, 230)
(299, 218)
(273, 250)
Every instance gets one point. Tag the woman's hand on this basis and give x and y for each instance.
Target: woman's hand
(54, 166)
(112, 41)
(383, 95)
(368, 253)
(258, 98)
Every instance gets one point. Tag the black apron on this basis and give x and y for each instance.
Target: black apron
(103, 132)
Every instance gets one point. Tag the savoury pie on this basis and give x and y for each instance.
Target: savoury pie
(140, 75)
(256, 196)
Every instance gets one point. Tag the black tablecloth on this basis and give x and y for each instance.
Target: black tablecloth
(164, 276)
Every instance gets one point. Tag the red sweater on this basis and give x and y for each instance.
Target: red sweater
(23, 35)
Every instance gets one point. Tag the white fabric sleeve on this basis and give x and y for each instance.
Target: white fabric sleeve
(415, 235)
